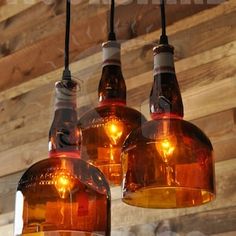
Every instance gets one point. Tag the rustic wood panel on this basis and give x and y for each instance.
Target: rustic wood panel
(225, 202)
(47, 60)
(88, 64)
(55, 12)
(47, 54)
(220, 221)
(10, 8)
(50, 20)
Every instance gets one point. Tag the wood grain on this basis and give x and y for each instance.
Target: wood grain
(19, 70)
(220, 221)
(132, 47)
(50, 20)
(10, 8)
(127, 25)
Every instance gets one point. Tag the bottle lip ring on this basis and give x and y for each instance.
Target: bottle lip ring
(111, 44)
(163, 48)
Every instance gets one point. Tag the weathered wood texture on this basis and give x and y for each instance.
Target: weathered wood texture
(218, 221)
(141, 45)
(9, 8)
(31, 59)
(96, 32)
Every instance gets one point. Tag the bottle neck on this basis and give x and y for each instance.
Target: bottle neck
(112, 88)
(165, 97)
(64, 136)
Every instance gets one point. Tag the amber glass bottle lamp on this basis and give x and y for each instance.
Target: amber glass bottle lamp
(168, 162)
(105, 127)
(63, 195)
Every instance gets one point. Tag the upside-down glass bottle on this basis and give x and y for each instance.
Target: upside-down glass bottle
(105, 127)
(168, 162)
(63, 195)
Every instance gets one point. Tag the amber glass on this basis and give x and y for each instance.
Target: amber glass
(168, 162)
(105, 127)
(63, 195)
(112, 85)
(104, 131)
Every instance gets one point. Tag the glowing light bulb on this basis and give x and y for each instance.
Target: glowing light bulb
(64, 183)
(63, 180)
(166, 148)
(114, 130)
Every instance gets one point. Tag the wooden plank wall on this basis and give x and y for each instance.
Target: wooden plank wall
(31, 60)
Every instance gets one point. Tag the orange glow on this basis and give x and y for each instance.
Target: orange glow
(165, 148)
(63, 180)
(114, 130)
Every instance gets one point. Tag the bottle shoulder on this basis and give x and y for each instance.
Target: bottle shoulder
(103, 113)
(183, 131)
(77, 170)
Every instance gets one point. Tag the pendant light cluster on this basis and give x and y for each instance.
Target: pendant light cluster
(163, 163)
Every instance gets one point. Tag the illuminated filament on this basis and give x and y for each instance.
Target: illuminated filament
(114, 130)
(165, 147)
(64, 183)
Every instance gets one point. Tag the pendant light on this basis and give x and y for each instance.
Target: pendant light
(105, 127)
(168, 162)
(63, 195)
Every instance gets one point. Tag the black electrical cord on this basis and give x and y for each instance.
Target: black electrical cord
(112, 35)
(163, 38)
(66, 73)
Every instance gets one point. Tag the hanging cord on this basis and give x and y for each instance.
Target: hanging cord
(66, 73)
(112, 35)
(163, 38)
